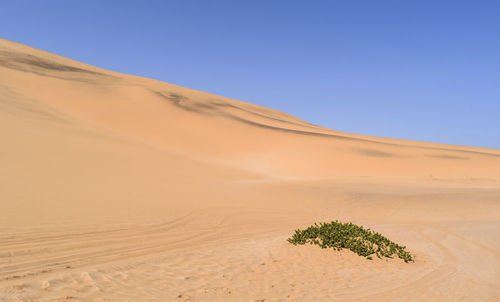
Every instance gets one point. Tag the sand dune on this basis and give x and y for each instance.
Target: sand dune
(120, 188)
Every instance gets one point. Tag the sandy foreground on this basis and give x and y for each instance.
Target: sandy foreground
(120, 188)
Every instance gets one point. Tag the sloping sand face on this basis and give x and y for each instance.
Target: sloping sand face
(120, 188)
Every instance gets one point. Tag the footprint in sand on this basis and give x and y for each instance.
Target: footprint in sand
(185, 298)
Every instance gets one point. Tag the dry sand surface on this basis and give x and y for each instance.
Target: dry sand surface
(120, 188)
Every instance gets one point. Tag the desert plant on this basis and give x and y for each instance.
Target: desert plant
(338, 235)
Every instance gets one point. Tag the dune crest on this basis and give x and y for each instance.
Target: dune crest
(118, 187)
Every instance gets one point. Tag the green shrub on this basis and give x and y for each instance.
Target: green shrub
(363, 242)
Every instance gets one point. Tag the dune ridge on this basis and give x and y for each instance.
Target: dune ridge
(120, 188)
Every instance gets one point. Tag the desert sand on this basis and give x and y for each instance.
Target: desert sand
(120, 188)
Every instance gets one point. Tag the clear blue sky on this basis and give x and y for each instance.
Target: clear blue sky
(424, 70)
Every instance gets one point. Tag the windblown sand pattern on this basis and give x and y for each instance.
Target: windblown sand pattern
(120, 188)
